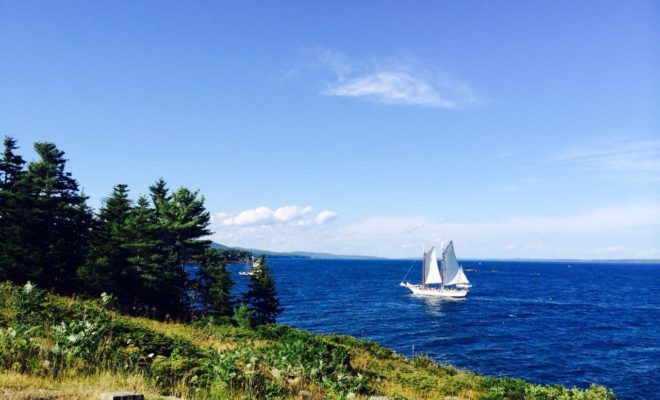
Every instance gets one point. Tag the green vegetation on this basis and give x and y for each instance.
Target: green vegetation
(58, 343)
(261, 296)
(136, 251)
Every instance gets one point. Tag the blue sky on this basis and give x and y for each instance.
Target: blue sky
(518, 129)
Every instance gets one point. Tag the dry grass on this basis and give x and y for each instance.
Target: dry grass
(14, 386)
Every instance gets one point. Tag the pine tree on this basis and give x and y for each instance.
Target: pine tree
(261, 296)
(56, 221)
(216, 284)
(106, 266)
(12, 202)
(189, 222)
(183, 220)
(149, 262)
(11, 164)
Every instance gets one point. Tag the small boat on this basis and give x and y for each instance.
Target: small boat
(253, 265)
(451, 278)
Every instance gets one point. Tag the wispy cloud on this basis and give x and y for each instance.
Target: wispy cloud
(403, 81)
(615, 155)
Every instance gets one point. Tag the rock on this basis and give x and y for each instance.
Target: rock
(120, 396)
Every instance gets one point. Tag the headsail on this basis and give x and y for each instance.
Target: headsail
(452, 272)
(431, 270)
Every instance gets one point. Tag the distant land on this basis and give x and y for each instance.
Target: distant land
(620, 261)
(297, 254)
(330, 256)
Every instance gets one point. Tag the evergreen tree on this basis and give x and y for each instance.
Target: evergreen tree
(12, 206)
(149, 262)
(106, 266)
(183, 220)
(261, 296)
(216, 284)
(189, 222)
(159, 196)
(56, 221)
(11, 164)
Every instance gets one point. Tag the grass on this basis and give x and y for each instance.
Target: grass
(15, 386)
(59, 348)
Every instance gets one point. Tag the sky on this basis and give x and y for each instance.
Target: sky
(516, 129)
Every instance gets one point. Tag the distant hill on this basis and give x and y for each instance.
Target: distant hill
(296, 254)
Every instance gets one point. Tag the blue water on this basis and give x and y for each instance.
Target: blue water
(570, 323)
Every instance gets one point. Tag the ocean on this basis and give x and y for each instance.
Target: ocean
(565, 322)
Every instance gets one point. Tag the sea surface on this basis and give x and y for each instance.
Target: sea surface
(569, 323)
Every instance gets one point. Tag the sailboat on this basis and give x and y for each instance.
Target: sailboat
(451, 278)
(253, 264)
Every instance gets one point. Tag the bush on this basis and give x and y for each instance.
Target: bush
(243, 316)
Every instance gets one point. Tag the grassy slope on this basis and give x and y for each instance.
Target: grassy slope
(57, 348)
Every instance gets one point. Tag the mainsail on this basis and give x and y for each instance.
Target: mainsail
(431, 271)
(452, 272)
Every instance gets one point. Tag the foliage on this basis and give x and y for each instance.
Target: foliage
(216, 284)
(45, 219)
(243, 316)
(106, 268)
(261, 295)
(135, 251)
(55, 337)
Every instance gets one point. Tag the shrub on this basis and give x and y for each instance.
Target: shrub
(243, 316)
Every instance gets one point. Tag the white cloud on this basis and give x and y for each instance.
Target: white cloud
(249, 217)
(404, 82)
(391, 87)
(288, 213)
(267, 216)
(325, 216)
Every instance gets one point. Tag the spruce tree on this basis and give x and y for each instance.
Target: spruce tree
(261, 296)
(106, 266)
(148, 261)
(216, 284)
(11, 164)
(182, 220)
(56, 221)
(189, 222)
(12, 209)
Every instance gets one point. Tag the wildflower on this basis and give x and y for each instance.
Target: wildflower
(29, 286)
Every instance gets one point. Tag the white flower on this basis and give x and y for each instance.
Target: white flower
(28, 287)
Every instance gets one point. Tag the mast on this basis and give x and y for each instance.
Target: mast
(442, 269)
(423, 264)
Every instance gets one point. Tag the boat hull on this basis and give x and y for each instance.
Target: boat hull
(420, 290)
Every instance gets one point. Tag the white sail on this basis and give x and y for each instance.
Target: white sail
(452, 273)
(431, 270)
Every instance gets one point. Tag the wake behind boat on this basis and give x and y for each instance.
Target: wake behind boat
(452, 279)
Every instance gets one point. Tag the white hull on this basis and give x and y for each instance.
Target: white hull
(244, 273)
(435, 292)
